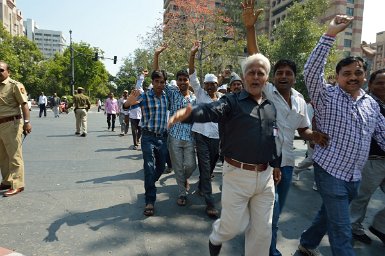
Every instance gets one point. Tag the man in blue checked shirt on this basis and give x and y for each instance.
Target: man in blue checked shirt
(154, 104)
(351, 118)
(180, 140)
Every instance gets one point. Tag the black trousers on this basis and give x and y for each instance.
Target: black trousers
(208, 154)
(42, 109)
(136, 130)
(111, 123)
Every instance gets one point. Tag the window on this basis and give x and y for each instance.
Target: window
(347, 43)
(350, 1)
(350, 11)
(348, 33)
(274, 3)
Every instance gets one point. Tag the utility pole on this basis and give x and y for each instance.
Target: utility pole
(72, 65)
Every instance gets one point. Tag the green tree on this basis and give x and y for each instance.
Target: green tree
(295, 37)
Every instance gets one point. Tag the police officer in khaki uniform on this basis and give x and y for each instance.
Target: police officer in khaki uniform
(13, 102)
(82, 105)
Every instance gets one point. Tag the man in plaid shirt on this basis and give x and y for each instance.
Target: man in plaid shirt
(351, 118)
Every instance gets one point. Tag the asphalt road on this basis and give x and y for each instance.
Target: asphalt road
(85, 196)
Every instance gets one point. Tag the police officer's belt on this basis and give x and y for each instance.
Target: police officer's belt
(9, 118)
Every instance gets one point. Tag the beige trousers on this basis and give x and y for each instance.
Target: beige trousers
(11, 158)
(81, 120)
(247, 205)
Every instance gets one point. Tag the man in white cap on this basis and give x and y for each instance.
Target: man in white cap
(206, 134)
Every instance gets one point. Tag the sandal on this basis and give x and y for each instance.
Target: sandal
(149, 210)
(212, 212)
(181, 201)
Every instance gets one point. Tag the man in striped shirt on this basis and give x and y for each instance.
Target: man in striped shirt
(154, 105)
(351, 118)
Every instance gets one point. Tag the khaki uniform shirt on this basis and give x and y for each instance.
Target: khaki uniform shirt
(12, 95)
(81, 101)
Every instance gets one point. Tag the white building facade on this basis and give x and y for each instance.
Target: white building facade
(11, 17)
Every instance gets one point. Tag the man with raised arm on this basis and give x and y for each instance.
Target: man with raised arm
(351, 118)
(291, 116)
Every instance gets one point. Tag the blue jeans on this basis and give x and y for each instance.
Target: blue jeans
(154, 151)
(281, 191)
(333, 217)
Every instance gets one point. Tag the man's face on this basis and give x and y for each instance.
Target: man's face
(351, 77)
(236, 86)
(111, 95)
(183, 83)
(125, 94)
(158, 85)
(4, 74)
(284, 78)
(211, 87)
(377, 87)
(255, 78)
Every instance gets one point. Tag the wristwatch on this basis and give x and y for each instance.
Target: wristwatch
(26, 121)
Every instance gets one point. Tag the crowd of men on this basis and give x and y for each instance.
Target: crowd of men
(251, 124)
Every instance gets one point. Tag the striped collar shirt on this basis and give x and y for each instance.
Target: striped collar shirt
(180, 131)
(350, 123)
(154, 111)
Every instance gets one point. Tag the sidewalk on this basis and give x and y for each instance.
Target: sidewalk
(85, 196)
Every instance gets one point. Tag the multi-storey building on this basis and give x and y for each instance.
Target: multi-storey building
(48, 41)
(379, 61)
(349, 41)
(11, 17)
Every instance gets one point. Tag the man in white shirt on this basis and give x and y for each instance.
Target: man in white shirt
(43, 104)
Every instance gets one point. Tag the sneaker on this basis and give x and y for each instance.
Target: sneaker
(135, 148)
(315, 186)
(83, 135)
(168, 170)
(364, 238)
(308, 252)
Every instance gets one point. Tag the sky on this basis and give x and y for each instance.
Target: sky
(114, 25)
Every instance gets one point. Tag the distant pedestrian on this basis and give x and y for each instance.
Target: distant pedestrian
(82, 104)
(55, 105)
(13, 102)
(111, 108)
(99, 104)
(43, 104)
(124, 115)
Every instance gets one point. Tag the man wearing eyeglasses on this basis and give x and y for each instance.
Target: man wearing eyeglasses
(12, 96)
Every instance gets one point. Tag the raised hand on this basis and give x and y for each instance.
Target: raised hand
(132, 99)
(195, 47)
(249, 16)
(180, 115)
(368, 51)
(161, 48)
(338, 24)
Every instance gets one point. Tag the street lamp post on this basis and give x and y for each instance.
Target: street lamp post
(72, 65)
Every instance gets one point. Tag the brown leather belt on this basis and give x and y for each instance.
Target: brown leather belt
(9, 118)
(249, 167)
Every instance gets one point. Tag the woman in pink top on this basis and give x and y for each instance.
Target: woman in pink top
(111, 108)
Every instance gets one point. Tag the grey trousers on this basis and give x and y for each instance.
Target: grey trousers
(373, 176)
(182, 154)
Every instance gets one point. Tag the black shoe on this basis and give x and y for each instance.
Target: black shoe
(362, 238)
(77, 133)
(214, 249)
(83, 135)
(378, 234)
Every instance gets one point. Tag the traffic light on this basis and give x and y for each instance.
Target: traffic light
(115, 59)
(96, 58)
